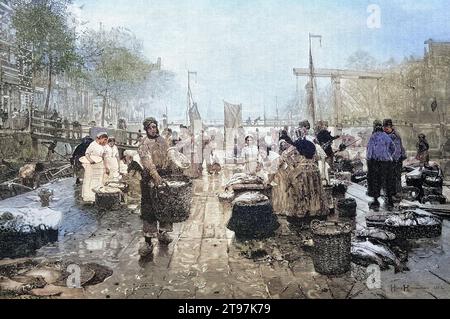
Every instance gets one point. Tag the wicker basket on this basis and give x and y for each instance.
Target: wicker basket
(414, 181)
(405, 232)
(172, 203)
(332, 247)
(23, 243)
(433, 181)
(411, 193)
(427, 191)
(346, 208)
(108, 198)
(253, 221)
(435, 199)
(339, 190)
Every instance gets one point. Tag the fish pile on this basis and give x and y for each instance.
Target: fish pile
(244, 179)
(412, 218)
(227, 195)
(106, 190)
(375, 233)
(175, 184)
(366, 253)
(411, 224)
(250, 198)
(29, 277)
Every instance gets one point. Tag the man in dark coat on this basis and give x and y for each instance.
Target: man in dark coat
(78, 153)
(284, 135)
(399, 154)
(380, 153)
(325, 140)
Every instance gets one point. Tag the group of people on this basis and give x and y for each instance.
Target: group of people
(385, 157)
(317, 148)
(101, 164)
(142, 170)
(299, 167)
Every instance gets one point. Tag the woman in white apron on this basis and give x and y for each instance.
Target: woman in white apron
(94, 167)
(250, 154)
(112, 161)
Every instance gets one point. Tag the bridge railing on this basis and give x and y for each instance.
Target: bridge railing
(74, 132)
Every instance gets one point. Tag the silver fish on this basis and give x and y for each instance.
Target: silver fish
(381, 251)
(375, 233)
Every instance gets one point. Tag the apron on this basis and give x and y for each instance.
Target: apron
(93, 178)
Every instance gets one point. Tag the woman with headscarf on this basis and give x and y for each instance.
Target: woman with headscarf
(299, 193)
(380, 157)
(112, 160)
(94, 172)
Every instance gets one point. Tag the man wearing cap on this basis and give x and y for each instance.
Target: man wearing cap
(153, 154)
(399, 154)
(380, 153)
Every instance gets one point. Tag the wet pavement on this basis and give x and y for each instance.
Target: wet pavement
(205, 261)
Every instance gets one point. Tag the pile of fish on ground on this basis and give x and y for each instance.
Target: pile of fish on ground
(26, 277)
(387, 244)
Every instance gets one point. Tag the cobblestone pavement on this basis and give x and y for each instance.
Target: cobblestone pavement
(205, 261)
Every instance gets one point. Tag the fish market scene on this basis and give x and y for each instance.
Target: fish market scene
(193, 149)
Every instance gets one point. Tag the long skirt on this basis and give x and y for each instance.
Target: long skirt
(93, 178)
(299, 192)
(113, 166)
(380, 176)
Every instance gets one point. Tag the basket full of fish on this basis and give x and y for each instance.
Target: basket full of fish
(410, 224)
(171, 201)
(108, 198)
(332, 247)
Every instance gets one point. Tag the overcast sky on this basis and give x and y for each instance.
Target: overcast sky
(244, 50)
